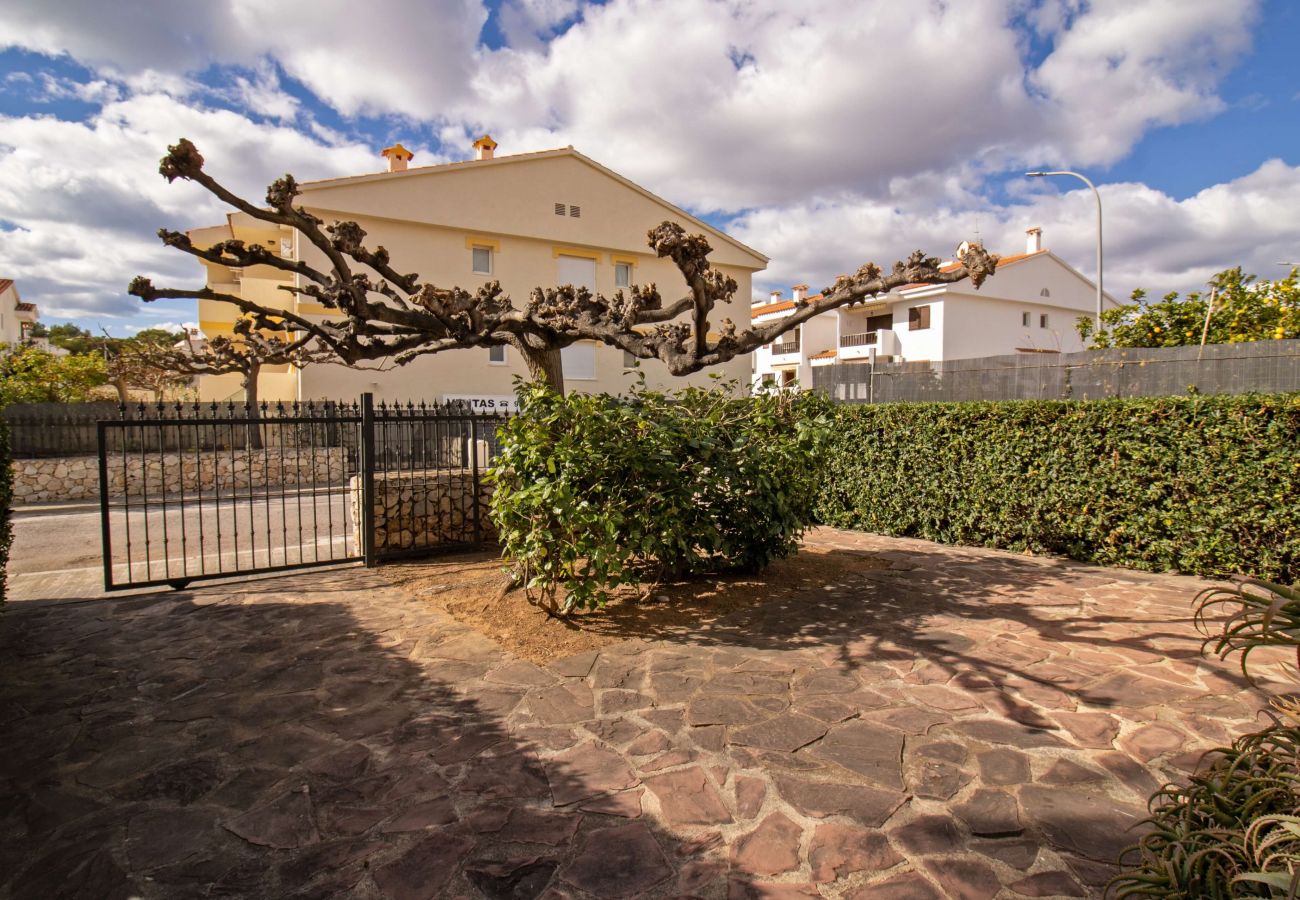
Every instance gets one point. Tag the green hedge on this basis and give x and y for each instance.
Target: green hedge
(1202, 485)
(6, 503)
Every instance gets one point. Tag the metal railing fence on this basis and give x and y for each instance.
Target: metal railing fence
(1260, 366)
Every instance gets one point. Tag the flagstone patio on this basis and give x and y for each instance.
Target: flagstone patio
(964, 723)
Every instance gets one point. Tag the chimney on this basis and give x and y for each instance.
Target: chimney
(397, 156)
(800, 292)
(1033, 239)
(774, 297)
(484, 147)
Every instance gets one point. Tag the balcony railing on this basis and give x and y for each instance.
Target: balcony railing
(787, 347)
(865, 339)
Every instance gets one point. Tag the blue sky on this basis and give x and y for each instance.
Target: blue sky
(824, 134)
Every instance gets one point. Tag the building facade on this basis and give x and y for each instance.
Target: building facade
(16, 317)
(529, 220)
(1030, 305)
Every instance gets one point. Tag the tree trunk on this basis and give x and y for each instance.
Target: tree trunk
(123, 395)
(544, 365)
(250, 400)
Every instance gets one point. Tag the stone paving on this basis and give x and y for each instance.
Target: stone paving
(964, 723)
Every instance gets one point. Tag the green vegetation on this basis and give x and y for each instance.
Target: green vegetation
(1202, 485)
(1244, 310)
(32, 375)
(1233, 830)
(593, 492)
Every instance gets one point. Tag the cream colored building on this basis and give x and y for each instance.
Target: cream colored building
(16, 317)
(529, 220)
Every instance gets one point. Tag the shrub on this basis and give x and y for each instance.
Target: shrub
(594, 491)
(1203, 484)
(6, 503)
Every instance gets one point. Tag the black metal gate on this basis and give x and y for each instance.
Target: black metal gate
(202, 491)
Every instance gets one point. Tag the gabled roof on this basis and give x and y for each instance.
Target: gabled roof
(25, 307)
(780, 306)
(460, 165)
(952, 267)
(825, 354)
(6, 284)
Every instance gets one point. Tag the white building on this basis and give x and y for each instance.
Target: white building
(16, 317)
(1029, 306)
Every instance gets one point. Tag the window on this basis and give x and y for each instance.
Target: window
(1044, 293)
(575, 212)
(622, 275)
(559, 209)
(1024, 319)
(630, 361)
(482, 260)
(497, 355)
(918, 318)
(880, 323)
(1042, 320)
(769, 378)
(579, 361)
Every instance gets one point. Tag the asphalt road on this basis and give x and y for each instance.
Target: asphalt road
(56, 547)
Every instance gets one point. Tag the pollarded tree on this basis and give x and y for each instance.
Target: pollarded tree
(384, 313)
(133, 368)
(245, 354)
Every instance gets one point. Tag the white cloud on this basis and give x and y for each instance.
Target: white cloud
(263, 95)
(87, 197)
(839, 131)
(1136, 65)
(412, 57)
(1151, 239)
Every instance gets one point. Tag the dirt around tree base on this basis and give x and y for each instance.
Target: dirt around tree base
(470, 587)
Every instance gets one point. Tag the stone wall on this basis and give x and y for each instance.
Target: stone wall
(423, 508)
(158, 474)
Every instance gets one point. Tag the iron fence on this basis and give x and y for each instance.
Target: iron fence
(1261, 366)
(201, 491)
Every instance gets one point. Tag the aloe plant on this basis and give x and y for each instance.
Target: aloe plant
(1197, 845)
(1261, 614)
(1273, 843)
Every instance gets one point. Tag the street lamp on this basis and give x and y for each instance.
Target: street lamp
(1098, 197)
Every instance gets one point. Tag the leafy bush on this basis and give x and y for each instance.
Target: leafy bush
(1244, 310)
(6, 503)
(32, 375)
(1203, 484)
(594, 491)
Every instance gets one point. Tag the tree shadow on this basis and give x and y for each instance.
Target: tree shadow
(998, 624)
(304, 738)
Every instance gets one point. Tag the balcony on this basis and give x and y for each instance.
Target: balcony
(785, 348)
(865, 339)
(861, 344)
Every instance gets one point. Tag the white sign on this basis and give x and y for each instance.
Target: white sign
(485, 403)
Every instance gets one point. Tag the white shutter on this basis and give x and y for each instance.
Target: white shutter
(579, 361)
(577, 271)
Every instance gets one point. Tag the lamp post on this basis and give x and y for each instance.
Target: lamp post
(1099, 257)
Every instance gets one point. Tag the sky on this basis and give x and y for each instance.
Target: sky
(824, 134)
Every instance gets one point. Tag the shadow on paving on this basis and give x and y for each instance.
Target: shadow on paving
(987, 620)
(171, 746)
